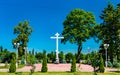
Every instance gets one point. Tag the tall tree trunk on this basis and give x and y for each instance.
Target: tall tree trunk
(79, 52)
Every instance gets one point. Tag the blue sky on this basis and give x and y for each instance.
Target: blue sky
(46, 18)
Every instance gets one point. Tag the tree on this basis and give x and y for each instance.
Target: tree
(61, 56)
(33, 51)
(23, 31)
(5, 56)
(94, 57)
(51, 57)
(31, 59)
(108, 30)
(39, 56)
(1, 49)
(68, 57)
(102, 51)
(82, 56)
(73, 64)
(77, 28)
(12, 68)
(101, 65)
(44, 63)
(30, 52)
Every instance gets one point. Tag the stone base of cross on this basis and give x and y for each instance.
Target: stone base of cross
(57, 58)
(57, 61)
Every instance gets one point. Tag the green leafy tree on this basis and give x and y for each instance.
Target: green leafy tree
(23, 31)
(39, 56)
(31, 59)
(51, 56)
(68, 57)
(108, 30)
(5, 56)
(44, 63)
(73, 64)
(82, 56)
(102, 51)
(12, 68)
(94, 57)
(77, 28)
(101, 64)
(61, 57)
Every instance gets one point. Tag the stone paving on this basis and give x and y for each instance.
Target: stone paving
(59, 68)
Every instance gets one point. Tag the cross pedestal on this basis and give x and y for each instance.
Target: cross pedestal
(57, 37)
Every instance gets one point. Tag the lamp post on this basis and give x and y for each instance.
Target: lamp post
(25, 48)
(106, 47)
(16, 46)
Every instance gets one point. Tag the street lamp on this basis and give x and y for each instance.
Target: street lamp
(16, 46)
(25, 48)
(106, 47)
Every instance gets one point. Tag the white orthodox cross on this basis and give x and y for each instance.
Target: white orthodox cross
(57, 37)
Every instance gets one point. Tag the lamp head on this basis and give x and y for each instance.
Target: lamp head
(106, 46)
(18, 44)
(14, 43)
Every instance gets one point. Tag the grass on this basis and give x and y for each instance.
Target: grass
(21, 65)
(3, 67)
(60, 73)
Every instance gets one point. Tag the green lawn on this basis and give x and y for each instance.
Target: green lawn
(60, 73)
(3, 67)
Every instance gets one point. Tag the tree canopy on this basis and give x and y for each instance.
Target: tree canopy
(78, 27)
(23, 31)
(108, 30)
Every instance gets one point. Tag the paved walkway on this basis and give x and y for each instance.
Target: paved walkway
(59, 67)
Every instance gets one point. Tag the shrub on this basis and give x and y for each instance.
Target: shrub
(116, 64)
(32, 70)
(31, 59)
(73, 64)
(89, 61)
(109, 64)
(94, 60)
(101, 64)
(44, 63)
(6, 64)
(12, 68)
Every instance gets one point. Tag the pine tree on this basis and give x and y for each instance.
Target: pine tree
(12, 68)
(44, 63)
(108, 30)
(33, 51)
(1, 49)
(101, 66)
(73, 64)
